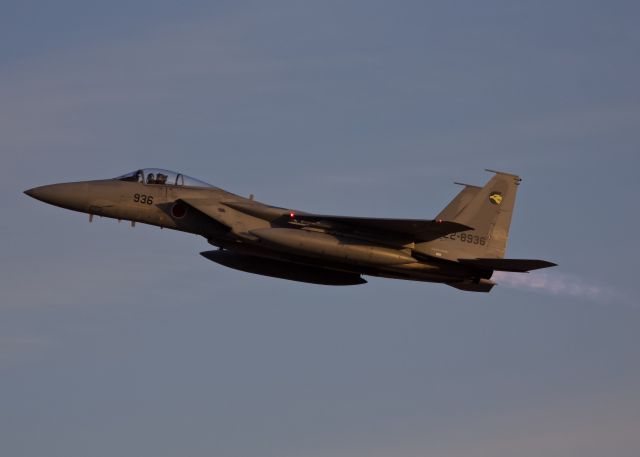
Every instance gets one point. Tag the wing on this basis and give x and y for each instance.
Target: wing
(415, 229)
(224, 219)
(207, 207)
(407, 230)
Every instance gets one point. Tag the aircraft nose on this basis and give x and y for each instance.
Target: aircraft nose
(38, 193)
(67, 195)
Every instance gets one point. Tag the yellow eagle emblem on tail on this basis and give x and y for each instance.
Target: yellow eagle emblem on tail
(495, 198)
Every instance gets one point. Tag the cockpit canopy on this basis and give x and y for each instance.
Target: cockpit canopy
(163, 177)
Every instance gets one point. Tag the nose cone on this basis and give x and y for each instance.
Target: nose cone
(73, 195)
(39, 193)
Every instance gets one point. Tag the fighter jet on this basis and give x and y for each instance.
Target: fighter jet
(461, 247)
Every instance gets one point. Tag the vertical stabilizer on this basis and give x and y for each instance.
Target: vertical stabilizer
(488, 211)
(460, 202)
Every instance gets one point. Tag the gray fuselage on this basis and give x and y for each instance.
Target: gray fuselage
(253, 230)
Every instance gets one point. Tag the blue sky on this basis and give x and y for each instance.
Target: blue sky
(121, 341)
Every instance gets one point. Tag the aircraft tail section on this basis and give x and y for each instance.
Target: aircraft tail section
(459, 203)
(488, 210)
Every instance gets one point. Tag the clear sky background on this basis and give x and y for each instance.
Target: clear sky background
(125, 342)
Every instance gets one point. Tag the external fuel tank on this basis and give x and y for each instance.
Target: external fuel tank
(282, 269)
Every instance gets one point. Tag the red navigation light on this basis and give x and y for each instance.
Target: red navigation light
(292, 215)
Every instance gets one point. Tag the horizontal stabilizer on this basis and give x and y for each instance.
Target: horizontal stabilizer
(415, 229)
(513, 265)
